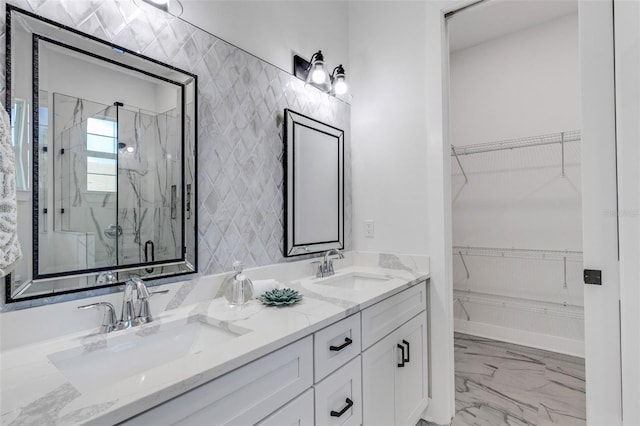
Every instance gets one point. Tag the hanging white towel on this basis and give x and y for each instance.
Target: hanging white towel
(10, 252)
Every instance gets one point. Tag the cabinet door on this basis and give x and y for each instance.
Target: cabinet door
(298, 412)
(339, 397)
(243, 396)
(379, 364)
(411, 381)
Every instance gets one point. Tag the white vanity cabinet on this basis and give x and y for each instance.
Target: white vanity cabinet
(339, 397)
(395, 369)
(338, 387)
(367, 369)
(298, 412)
(244, 396)
(333, 346)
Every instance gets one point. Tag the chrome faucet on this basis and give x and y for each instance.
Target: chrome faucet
(325, 268)
(129, 316)
(109, 322)
(128, 313)
(142, 315)
(144, 312)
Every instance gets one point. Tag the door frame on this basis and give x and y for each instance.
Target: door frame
(600, 199)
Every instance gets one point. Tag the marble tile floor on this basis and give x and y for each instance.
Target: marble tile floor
(500, 383)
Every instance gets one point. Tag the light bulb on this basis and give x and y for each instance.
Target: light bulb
(318, 76)
(340, 86)
(130, 149)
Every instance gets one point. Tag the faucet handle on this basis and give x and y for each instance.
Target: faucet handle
(329, 266)
(144, 313)
(147, 294)
(109, 323)
(319, 268)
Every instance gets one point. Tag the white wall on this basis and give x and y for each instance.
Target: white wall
(525, 83)
(400, 179)
(627, 27)
(522, 84)
(274, 30)
(600, 242)
(132, 89)
(388, 128)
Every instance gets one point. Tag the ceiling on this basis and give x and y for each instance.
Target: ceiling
(495, 18)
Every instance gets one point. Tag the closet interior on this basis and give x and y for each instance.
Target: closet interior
(516, 179)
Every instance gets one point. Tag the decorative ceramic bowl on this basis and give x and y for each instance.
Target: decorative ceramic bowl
(280, 297)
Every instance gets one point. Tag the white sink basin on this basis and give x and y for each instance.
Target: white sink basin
(131, 353)
(354, 280)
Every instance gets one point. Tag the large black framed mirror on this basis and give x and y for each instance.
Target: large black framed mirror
(314, 185)
(105, 143)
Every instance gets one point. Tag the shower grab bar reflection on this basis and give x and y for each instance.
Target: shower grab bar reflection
(147, 245)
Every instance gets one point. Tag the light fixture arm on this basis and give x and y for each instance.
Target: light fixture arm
(337, 71)
(318, 56)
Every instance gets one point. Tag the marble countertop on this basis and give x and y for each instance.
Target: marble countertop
(34, 390)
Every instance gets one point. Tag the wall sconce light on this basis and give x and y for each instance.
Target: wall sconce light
(314, 72)
(339, 81)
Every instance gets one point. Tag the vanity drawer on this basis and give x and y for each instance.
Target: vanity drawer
(298, 412)
(384, 317)
(243, 396)
(339, 396)
(335, 345)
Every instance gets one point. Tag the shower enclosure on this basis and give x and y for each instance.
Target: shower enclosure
(116, 185)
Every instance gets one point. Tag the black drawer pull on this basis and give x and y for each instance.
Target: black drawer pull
(346, 343)
(408, 351)
(401, 364)
(344, 410)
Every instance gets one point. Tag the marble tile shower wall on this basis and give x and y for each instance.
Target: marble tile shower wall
(240, 108)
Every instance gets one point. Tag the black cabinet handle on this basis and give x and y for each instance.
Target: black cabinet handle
(346, 343)
(344, 410)
(408, 351)
(401, 364)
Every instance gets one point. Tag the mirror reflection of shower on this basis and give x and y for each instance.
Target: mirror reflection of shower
(115, 182)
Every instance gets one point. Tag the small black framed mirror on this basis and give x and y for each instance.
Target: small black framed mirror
(314, 185)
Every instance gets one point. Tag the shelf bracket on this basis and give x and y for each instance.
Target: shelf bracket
(455, 154)
(562, 150)
(457, 299)
(464, 264)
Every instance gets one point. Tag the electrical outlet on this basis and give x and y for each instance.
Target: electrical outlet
(369, 229)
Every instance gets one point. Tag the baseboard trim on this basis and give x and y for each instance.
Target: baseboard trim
(521, 337)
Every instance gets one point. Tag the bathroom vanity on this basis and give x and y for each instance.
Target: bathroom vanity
(353, 351)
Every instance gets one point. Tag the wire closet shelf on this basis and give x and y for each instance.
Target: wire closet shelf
(526, 142)
(563, 308)
(570, 255)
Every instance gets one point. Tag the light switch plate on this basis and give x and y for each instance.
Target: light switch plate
(369, 229)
